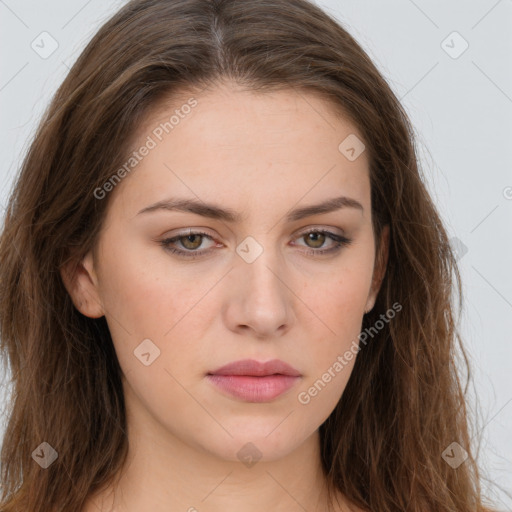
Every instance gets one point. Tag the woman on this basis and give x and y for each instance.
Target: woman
(224, 283)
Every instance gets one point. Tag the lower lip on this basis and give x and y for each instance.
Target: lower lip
(254, 389)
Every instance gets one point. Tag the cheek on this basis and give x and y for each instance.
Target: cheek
(333, 334)
(150, 301)
(145, 294)
(338, 302)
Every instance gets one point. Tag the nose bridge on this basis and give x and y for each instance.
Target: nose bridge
(261, 294)
(262, 264)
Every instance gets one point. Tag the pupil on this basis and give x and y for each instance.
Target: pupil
(314, 237)
(189, 239)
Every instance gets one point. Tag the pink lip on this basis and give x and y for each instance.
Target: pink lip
(254, 381)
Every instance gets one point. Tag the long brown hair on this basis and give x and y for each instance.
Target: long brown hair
(404, 403)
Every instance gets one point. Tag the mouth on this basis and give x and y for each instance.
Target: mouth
(254, 381)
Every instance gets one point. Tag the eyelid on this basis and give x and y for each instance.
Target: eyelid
(190, 232)
(297, 233)
(319, 227)
(339, 241)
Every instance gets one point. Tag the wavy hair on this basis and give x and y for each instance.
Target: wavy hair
(404, 403)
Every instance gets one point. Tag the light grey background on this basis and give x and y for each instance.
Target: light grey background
(460, 105)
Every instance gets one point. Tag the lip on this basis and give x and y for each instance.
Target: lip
(251, 367)
(254, 381)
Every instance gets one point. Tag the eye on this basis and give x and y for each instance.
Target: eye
(193, 240)
(190, 241)
(317, 238)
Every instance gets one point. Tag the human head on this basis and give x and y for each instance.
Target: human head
(400, 378)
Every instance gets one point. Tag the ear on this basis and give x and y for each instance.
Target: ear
(81, 282)
(379, 269)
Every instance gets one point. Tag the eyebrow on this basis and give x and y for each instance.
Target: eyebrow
(214, 211)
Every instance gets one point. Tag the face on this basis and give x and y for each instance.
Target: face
(187, 291)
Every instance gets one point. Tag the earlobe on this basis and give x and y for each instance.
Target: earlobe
(80, 281)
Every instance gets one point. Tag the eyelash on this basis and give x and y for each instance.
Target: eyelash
(340, 242)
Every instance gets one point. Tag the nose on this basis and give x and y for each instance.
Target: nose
(259, 298)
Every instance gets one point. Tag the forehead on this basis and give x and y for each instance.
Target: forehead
(263, 147)
(227, 113)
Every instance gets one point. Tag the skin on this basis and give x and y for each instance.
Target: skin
(260, 155)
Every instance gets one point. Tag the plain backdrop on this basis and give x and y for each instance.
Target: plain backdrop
(450, 64)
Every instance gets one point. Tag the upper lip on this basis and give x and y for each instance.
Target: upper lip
(255, 368)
